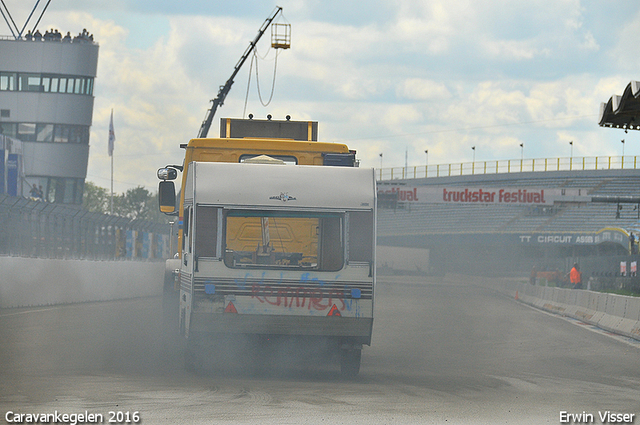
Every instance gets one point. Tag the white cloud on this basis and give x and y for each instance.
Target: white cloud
(513, 49)
(441, 75)
(626, 53)
(422, 89)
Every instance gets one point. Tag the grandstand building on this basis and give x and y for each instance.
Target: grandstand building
(507, 223)
(46, 107)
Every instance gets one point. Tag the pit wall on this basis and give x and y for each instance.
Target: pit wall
(615, 313)
(27, 282)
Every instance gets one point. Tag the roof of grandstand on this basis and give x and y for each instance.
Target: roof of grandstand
(622, 111)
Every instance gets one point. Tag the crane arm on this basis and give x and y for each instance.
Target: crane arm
(224, 90)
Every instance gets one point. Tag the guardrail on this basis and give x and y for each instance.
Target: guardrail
(510, 166)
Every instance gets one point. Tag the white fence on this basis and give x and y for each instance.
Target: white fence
(510, 166)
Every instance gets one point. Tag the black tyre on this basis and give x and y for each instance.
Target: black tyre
(350, 363)
(191, 360)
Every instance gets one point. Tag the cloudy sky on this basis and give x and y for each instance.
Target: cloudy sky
(389, 76)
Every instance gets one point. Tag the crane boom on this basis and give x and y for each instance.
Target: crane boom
(224, 90)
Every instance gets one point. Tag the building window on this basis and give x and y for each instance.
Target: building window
(26, 132)
(69, 187)
(7, 81)
(54, 84)
(46, 83)
(29, 82)
(79, 191)
(5, 113)
(8, 129)
(70, 85)
(63, 85)
(44, 132)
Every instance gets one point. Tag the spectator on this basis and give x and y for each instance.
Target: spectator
(632, 243)
(34, 194)
(576, 277)
(534, 276)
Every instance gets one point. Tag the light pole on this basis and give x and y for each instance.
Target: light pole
(473, 163)
(571, 157)
(426, 167)
(622, 164)
(521, 151)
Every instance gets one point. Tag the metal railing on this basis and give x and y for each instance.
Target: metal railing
(510, 166)
(48, 230)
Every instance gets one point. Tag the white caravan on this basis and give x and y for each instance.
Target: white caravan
(279, 251)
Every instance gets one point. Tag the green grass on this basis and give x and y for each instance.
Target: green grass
(620, 292)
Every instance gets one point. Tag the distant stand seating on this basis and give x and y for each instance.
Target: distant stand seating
(479, 218)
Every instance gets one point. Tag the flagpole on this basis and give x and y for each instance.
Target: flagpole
(112, 139)
(111, 207)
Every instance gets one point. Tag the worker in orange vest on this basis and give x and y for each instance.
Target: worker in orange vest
(576, 277)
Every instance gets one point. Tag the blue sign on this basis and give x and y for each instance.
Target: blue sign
(146, 244)
(12, 174)
(1, 171)
(130, 244)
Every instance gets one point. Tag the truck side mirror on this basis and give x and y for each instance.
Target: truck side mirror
(167, 197)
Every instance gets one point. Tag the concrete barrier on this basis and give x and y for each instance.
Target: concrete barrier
(615, 313)
(39, 281)
(633, 310)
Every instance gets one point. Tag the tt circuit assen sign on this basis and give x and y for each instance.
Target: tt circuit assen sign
(481, 195)
(610, 235)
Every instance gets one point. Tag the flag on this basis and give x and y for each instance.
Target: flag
(112, 135)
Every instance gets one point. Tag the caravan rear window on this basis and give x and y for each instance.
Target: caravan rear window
(283, 240)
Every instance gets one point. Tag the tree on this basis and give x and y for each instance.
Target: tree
(95, 198)
(136, 203)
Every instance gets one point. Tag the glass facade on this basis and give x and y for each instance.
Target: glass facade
(46, 83)
(61, 190)
(52, 133)
(54, 128)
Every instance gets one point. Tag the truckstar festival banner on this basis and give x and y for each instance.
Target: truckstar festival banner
(482, 195)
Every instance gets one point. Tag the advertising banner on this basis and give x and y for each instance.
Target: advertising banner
(481, 195)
